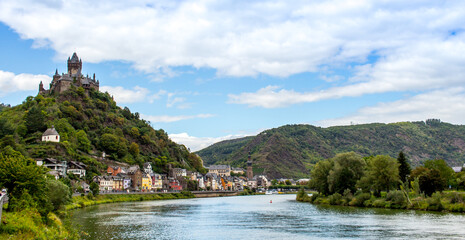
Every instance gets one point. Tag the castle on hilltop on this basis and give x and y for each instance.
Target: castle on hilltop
(73, 77)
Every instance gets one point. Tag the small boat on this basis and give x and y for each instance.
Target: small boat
(268, 192)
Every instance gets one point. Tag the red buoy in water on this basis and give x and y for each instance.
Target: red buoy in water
(271, 201)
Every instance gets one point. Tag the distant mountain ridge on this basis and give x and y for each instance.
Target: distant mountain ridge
(292, 150)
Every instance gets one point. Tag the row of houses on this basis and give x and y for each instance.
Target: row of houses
(178, 179)
(62, 168)
(134, 178)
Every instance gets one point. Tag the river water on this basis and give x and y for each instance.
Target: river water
(254, 217)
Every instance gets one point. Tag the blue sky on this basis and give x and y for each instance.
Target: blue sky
(206, 71)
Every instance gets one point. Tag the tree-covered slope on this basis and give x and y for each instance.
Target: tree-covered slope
(223, 150)
(89, 124)
(291, 150)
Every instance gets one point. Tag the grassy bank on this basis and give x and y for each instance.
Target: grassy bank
(445, 201)
(28, 224)
(84, 201)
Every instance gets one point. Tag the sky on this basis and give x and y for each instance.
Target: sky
(206, 71)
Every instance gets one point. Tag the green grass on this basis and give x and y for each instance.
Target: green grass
(84, 201)
(28, 224)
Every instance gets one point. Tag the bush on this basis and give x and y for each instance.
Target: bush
(302, 195)
(456, 207)
(397, 199)
(347, 196)
(455, 198)
(58, 194)
(379, 203)
(360, 199)
(335, 199)
(434, 202)
(314, 197)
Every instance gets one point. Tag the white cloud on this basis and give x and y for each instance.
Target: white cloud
(10, 82)
(198, 143)
(446, 104)
(168, 119)
(422, 66)
(122, 95)
(157, 95)
(242, 38)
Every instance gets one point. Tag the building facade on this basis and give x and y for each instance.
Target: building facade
(51, 135)
(220, 170)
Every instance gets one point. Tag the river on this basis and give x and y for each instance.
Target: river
(254, 217)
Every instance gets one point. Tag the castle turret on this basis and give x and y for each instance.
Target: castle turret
(56, 76)
(41, 88)
(74, 65)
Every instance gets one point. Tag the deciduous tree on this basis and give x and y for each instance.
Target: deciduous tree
(382, 173)
(319, 176)
(348, 169)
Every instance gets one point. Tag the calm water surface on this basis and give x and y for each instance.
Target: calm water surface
(254, 217)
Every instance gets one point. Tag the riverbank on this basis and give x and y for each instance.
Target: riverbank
(84, 201)
(445, 201)
(28, 224)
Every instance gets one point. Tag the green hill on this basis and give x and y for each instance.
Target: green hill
(89, 123)
(292, 150)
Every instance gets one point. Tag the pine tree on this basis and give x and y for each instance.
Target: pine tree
(404, 166)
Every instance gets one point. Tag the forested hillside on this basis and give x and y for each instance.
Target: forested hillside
(89, 123)
(292, 150)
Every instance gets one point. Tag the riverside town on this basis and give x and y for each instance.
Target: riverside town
(194, 120)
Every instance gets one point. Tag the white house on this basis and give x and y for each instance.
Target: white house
(51, 135)
(76, 168)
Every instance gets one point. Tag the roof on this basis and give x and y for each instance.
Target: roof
(76, 165)
(237, 169)
(457, 169)
(50, 161)
(50, 131)
(74, 58)
(219, 167)
(133, 169)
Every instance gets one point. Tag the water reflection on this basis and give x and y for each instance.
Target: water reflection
(253, 217)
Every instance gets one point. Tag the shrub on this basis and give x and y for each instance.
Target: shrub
(347, 196)
(419, 203)
(314, 197)
(397, 199)
(302, 195)
(434, 202)
(360, 199)
(379, 203)
(335, 199)
(455, 198)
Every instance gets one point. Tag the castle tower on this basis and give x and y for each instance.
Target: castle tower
(74, 65)
(56, 76)
(41, 87)
(249, 168)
